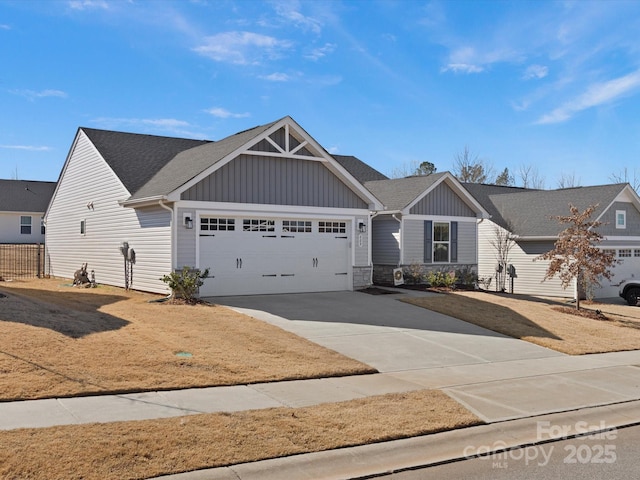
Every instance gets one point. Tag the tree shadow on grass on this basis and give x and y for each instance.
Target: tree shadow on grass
(494, 317)
(18, 306)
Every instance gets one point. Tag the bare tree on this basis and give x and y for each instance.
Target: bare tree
(469, 167)
(502, 241)
(624, 176)
(568, 180)
(413, 168)
(576, 255)
(530, 177)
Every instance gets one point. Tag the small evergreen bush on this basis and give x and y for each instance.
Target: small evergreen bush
(184, 284)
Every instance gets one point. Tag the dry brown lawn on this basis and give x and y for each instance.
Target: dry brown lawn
(535, 320)
(133, 450)
(56, 340)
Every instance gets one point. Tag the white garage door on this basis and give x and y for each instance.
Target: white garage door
(249, 256)
(628, 267)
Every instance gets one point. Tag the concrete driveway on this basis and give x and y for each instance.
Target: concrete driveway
(383, 332)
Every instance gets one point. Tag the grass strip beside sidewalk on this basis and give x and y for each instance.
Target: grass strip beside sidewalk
(143, 449)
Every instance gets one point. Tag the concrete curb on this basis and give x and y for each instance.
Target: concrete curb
(370, 461)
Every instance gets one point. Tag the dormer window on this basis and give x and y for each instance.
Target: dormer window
(621, 219)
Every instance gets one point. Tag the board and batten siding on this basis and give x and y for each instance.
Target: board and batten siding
(275, 181)
(413, 236)
(108, 224)
(385, 240)
(442, 201)
(529, 273)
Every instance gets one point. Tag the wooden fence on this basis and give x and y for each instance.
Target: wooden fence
(21, 260)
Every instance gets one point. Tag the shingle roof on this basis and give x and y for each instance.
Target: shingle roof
(360, 170)
(187, 164)
(25, 195)
(531, 213)
(136, 158)
(397, 193)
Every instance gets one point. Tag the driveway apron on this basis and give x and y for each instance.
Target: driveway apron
(384, 332)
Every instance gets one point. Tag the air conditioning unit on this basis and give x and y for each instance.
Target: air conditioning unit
(398, 276)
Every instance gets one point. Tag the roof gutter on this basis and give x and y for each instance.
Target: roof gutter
(533, 238)
(144, 202)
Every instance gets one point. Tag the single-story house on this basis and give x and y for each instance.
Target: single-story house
(528, 219)
(429, 222)
(22, 207)
(267, 210)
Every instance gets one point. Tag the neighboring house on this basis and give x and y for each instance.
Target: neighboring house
(529, 218)
(22, 206)
(428, 223)
(268, 210)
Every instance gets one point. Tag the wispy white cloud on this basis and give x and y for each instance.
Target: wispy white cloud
(318, 53)
(595, 95)
(224, 113)
(462, 68)
(88, 4)
(290, 10)
(535, 71)
(4, 26)
(276, 77)
(30, 148)
(33, 94)
(172, 126)
(242, 48)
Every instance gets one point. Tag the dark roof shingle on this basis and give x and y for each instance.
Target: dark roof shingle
(532, 213)
(25, 195)
(136, 158)
(397, 193)
(360, 170)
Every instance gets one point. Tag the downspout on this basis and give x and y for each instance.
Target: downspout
(171, 225)
(372, 215)
(399, 220)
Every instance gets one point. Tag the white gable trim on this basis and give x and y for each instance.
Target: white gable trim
(307, 141)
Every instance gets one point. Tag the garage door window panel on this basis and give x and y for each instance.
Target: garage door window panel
(296, 226)
(258, 225)
(217, 224)
(332, 227)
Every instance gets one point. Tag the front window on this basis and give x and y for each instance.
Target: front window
(25, 225)
(441, 242)
(621, 219)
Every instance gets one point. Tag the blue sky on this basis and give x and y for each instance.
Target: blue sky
(551, 85)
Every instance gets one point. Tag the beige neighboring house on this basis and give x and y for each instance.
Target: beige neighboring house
(528, 217)
(22, 207)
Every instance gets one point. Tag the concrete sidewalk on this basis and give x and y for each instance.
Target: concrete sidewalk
(495, 392)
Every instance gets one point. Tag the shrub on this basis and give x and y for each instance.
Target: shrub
(184, 284)
(467, 277)
(442, 279)
(413, 273)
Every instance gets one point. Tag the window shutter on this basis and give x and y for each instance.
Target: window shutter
(428, 241)
(454, 242)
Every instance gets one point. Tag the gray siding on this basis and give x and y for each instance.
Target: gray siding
(107, 225)
(467, 243)
(361, 243)
(413, 238)
(186, 238)
(385, 238)
(609, 219)
(275, 181)
(10, 231)
(442, 201)
(413, 241)
(529, 273)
